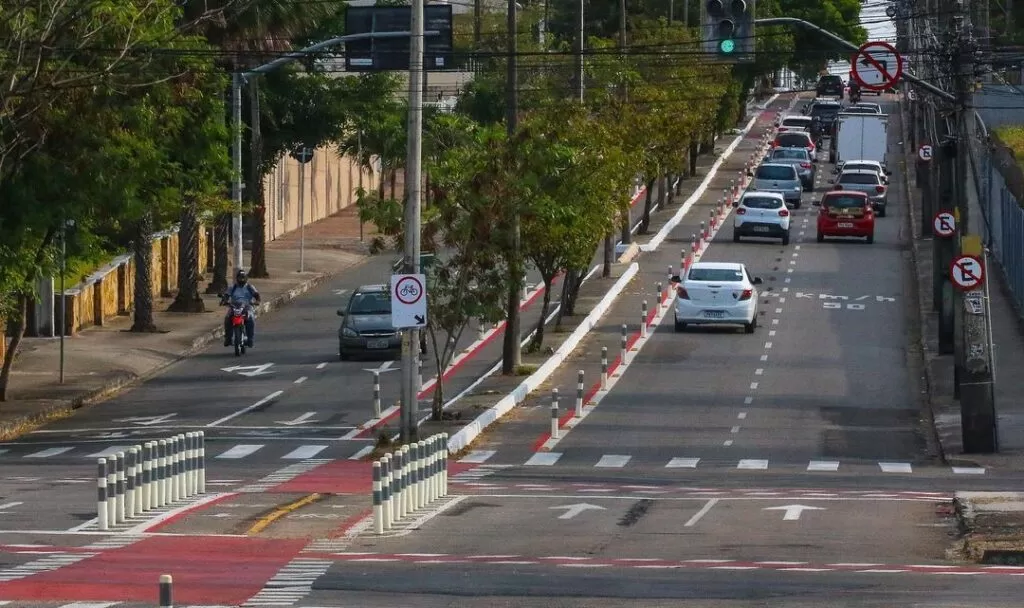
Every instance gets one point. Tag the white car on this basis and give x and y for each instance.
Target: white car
(794, 122)
(871, 106)
(761, 214)
(864, 165)
(717, 293)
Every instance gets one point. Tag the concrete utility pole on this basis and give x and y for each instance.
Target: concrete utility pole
(413, 212)
(512, 354)
(627, 220)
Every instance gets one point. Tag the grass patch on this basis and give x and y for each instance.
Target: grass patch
(526, 369)
(18, 428)
(1013, 137)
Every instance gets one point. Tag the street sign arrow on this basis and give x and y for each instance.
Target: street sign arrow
(147, 420)
(574, 510)
(303, 419)
(420, 320)
(252, 370)
(793, 511)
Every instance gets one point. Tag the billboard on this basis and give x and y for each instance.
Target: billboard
(392, 54)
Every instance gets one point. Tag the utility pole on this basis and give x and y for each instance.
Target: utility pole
(477, 16)
(413, 210)
(579, 52)
(512, 355)
(236, 161)
(627, 220)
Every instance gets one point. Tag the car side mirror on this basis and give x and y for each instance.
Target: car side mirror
(757, 281)
(341, 313)
(676, 279)
(816, 203)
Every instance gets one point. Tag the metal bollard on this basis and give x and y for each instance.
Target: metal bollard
(376, 394)
(624, 340)
(138, 507)
(643, 319)
(147, 476)
(385, 490)
(378, 508)
(119, 480)
(101, 494)
(579, 393)
(554, 413)
(161, 473)
(604, 367)
(202, 462)
(444, 464)
(129, 484)
(166, 594)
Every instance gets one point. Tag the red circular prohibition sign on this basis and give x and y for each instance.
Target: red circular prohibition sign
(408, 290)
(864, 54)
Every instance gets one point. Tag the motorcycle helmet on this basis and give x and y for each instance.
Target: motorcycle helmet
(241, 277)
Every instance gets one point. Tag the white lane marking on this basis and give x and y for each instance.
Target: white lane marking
(788, 280)
(246, 410)
(362, 452)
(90, 605)
(10, 505)
(771, 333)
(775, 321)
(478, 456)
(301, 380)
(785, 290)
(968, 470)
(797, 247)
(759, 371)
(543, 459)
(748, 400)
(304, 451)
(742, 415)
(778, 311)
(699, 514)
(767, 345)
(823, 465)
(111, 451)
(49, 452)
(682, 463)
(782, 300)
(895, 467)
(727, 442)
(321, 365)
(753, 465)
(612, 461)
(753, 386)
(240, 451)
(734, 430)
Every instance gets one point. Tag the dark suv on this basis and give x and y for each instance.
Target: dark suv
(366, 325)
(830, 85)
(826, 111)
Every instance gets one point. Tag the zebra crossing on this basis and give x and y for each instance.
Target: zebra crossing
(276, 451)
(621, 461)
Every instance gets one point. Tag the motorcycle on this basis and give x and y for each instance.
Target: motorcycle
(854, 97)
(239, 317)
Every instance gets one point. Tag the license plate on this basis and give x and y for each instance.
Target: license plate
(845, 225)
(714, 314)
(760, 228)
(376, 343)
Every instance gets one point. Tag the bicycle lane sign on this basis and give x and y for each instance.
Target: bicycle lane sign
(408, 301)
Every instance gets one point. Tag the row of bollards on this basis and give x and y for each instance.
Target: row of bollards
(149, 476)
(409, 479)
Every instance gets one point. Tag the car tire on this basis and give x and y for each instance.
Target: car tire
(881, 212)
(341, 355)
(785, 239)
(870, 239)
(821, 238)
(796, 205)
(680, 326)
(735, 236)
(750, 327)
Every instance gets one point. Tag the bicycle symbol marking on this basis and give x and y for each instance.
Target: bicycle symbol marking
(408, 290)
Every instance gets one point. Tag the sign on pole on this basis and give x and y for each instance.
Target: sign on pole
(967, 272)
(408, 301)
(876, 66)
(924, 152)
(392, 54)
(944, 224)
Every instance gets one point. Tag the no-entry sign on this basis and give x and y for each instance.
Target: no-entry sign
(876, 66)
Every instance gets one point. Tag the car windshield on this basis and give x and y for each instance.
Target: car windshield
(715, 274)
(790, 153)
(844, 202)
(792, 140)
(762, 202)
(370, 303)
(776, 172)
(859, 178)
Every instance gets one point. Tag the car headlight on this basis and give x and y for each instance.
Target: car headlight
(797, 188)
(348, 332)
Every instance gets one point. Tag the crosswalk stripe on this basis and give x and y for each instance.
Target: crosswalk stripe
(478, 456)
(751, 464)
(612, 461)
(304, 451)
(240, 451)
(682, 463)
(823, 465)
(49, 452)
(543, 459)
(968, 470)
(895, 467)
(112, 450)
(90, 605)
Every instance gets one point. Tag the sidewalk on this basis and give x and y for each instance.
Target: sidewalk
(102, 360)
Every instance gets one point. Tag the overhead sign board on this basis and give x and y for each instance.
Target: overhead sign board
(408, 301)
(967, 272)
(876, 66)
(392, 54)
(944, 224)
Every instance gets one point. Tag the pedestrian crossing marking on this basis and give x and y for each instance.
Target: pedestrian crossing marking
(304, 451)
(543, 459)
(111, 451)
(969, 470)
(240, 451)
(823, 465)
(478, 456)
(47, 453)
(896, 467)
(613, 461)
(753, 465)
(682, 463)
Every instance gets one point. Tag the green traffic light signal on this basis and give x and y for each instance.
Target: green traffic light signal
(727, 46)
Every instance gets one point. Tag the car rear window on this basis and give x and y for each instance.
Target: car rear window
(823, 111)
(860, 167)
(844, 202)
(832, 79)
(859, 178)
(370, 303)
(796, 121)
(714, 274)
(792, 140)
(859, 111)
(798, 153)
(777, 173)
(762, 202)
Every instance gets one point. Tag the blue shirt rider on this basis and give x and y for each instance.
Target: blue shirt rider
(243, 291)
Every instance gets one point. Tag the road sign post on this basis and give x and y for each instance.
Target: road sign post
(408, 301)
(944, 224)
(876, 66)
(967, 272)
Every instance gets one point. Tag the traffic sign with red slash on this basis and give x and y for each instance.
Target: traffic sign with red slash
(944, 224)
(876, 66)
(925, 152)
(967, 272)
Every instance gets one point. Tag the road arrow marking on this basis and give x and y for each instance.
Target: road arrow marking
(574, 510)
(384, 367)
(340, 292)
(9, 505)
(221, 515)
(147, 420)
(303, 419)
(793, 511)
(255, 370)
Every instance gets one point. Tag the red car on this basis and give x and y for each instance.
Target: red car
(845, 213)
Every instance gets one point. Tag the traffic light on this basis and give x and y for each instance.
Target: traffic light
(729, 30)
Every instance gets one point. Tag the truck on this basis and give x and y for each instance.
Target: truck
(859, 137)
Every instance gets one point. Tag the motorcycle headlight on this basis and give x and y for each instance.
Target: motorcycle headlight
(348, 332)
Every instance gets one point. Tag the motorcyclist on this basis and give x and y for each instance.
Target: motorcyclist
(817, 130)
(854, 91)
(242, 291)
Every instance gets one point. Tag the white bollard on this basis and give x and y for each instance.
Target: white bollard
(554, 413)
(147, 476)
(161, 479)
(385, 490)
(444, 464)
(376, 394)
(179, 467)
(623, 342)
(604, 367)
(419, 374)
(189, 459)
(643, 319)
(112, 492)
(378, 507)
(406, 482)
(101, 494)
(138, 479)
(202, 462)
(662, 300)
(579, 393)
(119, 500)
(129, 483)
(420, 461)
(435, 467)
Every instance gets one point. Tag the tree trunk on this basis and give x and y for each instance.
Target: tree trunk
(437, 401)
(669, 191)
(19, 324)
(188, 298)
(258, 255)
(221, 228)
(609, 256)
(694, 153)
(143, 246)
(627, 224)
(394, 181)
(645, 221)
(538, 336)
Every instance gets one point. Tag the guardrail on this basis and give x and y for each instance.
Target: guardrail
(409, 479)
(149, 476)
